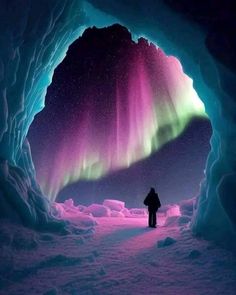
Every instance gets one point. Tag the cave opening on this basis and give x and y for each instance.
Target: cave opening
(120, 116)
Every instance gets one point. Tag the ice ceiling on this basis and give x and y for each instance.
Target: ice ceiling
(34, 37)
(107, 109)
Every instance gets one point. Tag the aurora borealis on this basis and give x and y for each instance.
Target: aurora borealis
(112, 102)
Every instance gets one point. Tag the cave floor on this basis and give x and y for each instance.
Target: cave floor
(122, 256)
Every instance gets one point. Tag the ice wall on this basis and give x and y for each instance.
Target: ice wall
(34, 34)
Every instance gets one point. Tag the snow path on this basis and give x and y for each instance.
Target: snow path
(121, 257)
(134, 264)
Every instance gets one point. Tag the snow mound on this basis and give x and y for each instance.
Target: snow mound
(166, 242)
(169, 210)
(98, 210)
(115, 205)
(68, 211)
(173, 210)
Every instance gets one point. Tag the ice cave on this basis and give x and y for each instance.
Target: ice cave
(35, 36)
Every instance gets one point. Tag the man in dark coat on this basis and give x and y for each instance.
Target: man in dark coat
(153, 203)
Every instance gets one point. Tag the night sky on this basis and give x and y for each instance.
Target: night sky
(118, 118)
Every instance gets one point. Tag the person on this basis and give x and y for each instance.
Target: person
(153, 202)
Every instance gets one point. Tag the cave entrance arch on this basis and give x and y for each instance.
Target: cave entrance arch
(142, 100)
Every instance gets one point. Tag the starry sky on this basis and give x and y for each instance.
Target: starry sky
(120, 116)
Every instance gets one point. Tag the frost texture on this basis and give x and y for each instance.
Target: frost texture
(34, 36)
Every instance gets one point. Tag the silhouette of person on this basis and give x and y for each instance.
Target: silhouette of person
(153, 202)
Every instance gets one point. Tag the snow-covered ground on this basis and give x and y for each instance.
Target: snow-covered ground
(119, 256)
